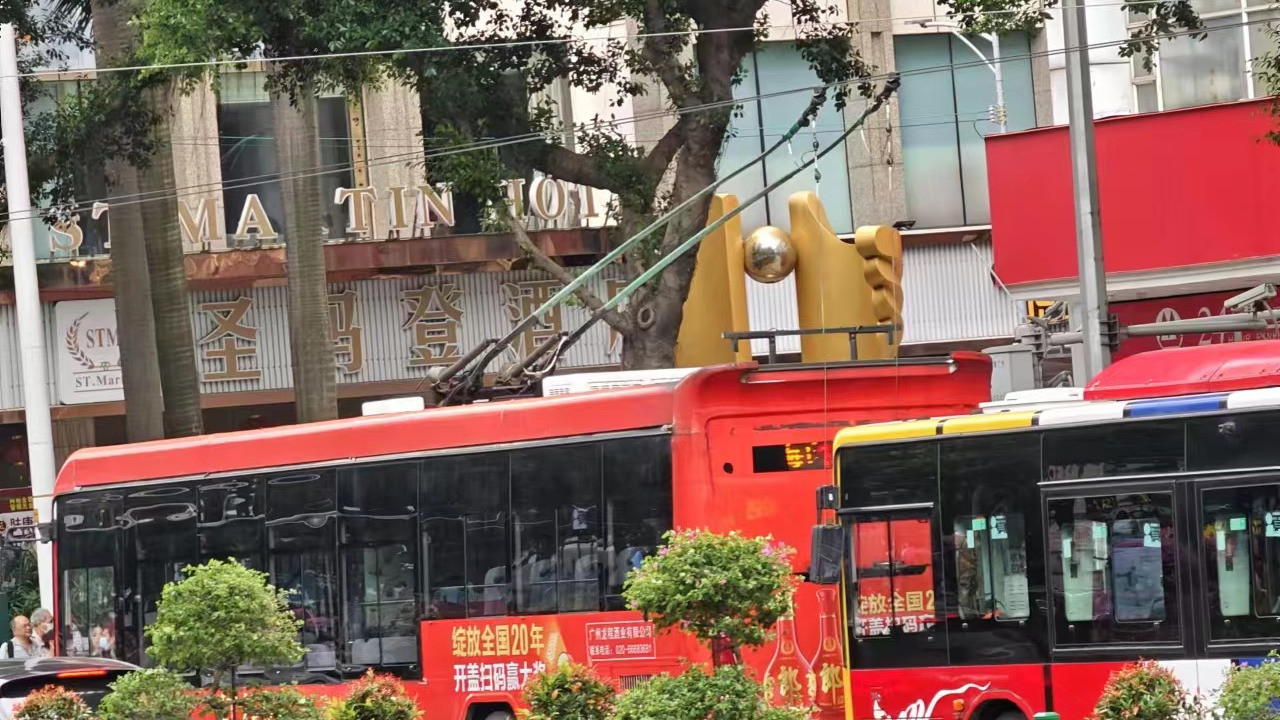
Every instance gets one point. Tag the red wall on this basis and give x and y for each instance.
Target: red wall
(1175, 188)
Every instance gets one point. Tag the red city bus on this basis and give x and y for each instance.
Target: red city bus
(466, 549)
(1000, 564)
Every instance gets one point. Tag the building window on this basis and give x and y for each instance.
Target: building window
(769, 107)
(78, 235)
(945, 116)
(1191, 72)
(246, 140)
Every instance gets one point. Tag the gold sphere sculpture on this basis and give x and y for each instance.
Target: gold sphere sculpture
(769, 254)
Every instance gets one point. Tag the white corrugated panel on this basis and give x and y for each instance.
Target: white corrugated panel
(950, 295)
(773, 307)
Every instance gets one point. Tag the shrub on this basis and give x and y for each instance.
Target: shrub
(270, 703)
(53, 703)
(376, 697)
(727, 693)
(1143, 691)
(1249, 691)
(568, 692)
(153, 694)
(714, 586)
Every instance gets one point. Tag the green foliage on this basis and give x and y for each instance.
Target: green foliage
(152, 694)
(376, 697)
(271, 703)
(714, 585)
(223, 615)
(728, 693)
(53, 703)
(1143, 691)
(1249, 691)
(569, 692)
(20, 578)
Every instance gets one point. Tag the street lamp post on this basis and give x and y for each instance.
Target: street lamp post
(999, 114)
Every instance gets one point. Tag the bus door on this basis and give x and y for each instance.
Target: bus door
(894, 586)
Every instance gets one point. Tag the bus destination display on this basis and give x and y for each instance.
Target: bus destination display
(791, 456)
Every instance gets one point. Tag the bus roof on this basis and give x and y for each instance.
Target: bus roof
(1176, 381)
(681, 405)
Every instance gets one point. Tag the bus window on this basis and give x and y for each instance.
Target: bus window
(1114, 571)
(89, 536)
(637, 492)
(555, 501)
(1242, 548)
(163, 524)
(231, 521)
(991, 567)
(893, 567)
(378, 505)
(466, 540)
(301, 533)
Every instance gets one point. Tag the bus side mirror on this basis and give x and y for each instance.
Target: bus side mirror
(826, 552)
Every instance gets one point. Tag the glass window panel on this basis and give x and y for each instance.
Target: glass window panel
(232, 521)
(974, 95)
(1139, 68)
(1121, 449)
(1199, 72)
(163, 524)
(1113, 566)
(555, 501)
(1223, 442)
(1242, 548)
(637, 492)
(780, 67)
(302, 536)
(1148, 97)
(1211, 6)
(991, 567)
(893, 567)
(246, 138)
(1262, 38)
(381, 623)
(930, 141)
(466, 535)
(741, 145)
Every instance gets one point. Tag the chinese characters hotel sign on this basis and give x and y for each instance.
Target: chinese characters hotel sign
(383, 329)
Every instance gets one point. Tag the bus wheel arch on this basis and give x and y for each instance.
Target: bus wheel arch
(998, 709)
(490, 711)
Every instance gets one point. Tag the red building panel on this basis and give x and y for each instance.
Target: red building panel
(1176, 188)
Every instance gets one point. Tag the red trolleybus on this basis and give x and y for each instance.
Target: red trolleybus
(1005, 563)
(467, 548)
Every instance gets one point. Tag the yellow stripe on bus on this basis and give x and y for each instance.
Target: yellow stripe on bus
(879, 432)
(987, 423)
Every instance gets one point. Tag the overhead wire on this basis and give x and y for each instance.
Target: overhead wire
(496, 143)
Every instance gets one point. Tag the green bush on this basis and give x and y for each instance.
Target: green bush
(220, 616)
(1143, 691)
(727, 693)
(376, 697)
(274, 703)
(568, 692)
(1248, 691)
(53, 703)
(714, 586)
(152, 694)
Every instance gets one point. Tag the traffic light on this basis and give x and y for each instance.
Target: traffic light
(881, 249)
(717, 301)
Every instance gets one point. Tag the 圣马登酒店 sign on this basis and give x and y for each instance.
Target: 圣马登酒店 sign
(380, 330)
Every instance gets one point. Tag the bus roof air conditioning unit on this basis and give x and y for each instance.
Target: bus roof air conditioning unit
(588, 382)
(393, 405)
(1039, 399)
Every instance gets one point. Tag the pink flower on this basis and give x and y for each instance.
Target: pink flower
(663, 550)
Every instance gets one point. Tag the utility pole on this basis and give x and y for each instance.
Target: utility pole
(1084, 182)
(35, 380)
(999, 113)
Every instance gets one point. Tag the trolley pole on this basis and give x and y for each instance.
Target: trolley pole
(35, 380)
(1084, 171)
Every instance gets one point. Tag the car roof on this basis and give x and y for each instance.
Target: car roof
(23, 669)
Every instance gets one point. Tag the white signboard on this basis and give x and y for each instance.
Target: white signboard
(88, 352)
(18, 526)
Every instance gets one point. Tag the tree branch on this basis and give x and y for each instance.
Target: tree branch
(664, 152)
(557, 271)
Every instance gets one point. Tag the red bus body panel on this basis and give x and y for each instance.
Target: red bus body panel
(715, 415)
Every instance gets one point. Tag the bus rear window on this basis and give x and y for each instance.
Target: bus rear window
(893, 565)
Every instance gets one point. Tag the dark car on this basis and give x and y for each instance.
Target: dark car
(88, 677)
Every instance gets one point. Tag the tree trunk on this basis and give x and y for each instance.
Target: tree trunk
(135, 324)
(298, 152)
(170, 302)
